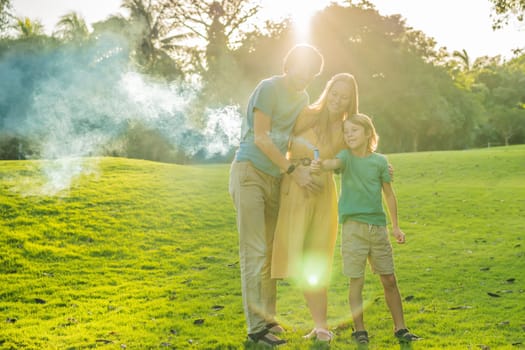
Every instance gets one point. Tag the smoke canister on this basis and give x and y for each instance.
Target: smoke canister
(316, 154)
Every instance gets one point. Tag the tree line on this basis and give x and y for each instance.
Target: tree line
(421, 97)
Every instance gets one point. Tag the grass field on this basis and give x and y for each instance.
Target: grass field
(142, 255)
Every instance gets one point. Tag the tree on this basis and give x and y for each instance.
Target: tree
(5, 14)
(154, 42)
(27, 28)
(218, 28)
(464, 59)
(402, 82)
(72, 27)
(502, 86)
(219, 24)
(145, 16)
(505, 10)
(146, 33)
(141, 142)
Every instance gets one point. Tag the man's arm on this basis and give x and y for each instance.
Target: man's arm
(262, 125)
(391, 203)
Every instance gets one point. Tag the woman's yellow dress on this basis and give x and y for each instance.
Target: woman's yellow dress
(306, 229)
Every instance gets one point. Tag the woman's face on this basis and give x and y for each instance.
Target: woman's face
(338, 98)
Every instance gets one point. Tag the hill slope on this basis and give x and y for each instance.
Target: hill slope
(142, 255)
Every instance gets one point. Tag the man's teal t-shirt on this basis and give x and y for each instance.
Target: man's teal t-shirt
(283, 105)
(361, 187)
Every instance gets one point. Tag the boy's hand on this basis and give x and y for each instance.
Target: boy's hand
(399, 235)
(316, 166)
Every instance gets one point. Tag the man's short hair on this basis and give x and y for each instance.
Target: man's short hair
(304, 53)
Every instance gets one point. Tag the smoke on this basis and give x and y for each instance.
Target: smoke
(222, 129)
(75, 100)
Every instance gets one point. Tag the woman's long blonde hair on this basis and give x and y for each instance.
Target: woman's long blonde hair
(319, 106)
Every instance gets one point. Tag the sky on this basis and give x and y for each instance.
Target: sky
(454, 24)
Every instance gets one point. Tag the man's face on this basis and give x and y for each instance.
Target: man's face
(300, 76)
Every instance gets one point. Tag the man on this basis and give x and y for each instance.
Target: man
(255, 178)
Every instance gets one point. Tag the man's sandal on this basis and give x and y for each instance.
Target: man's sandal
(360, 337)
(404, 336)
(275, 328)
(266, 338)
(320, 334)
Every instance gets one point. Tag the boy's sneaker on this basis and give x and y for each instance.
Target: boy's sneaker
(404, 336)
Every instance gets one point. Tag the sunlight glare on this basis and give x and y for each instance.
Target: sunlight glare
(299, 11)
(313, 280)
(301, 16)
(315, 269)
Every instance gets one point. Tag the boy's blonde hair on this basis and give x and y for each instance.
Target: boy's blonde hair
(366, 122)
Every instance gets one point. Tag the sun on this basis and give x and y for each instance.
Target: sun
(299, 11)
(301, 16)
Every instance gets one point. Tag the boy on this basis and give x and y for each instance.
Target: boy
(364, 177)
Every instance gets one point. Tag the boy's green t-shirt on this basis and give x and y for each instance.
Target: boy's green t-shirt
(361, 187)
(276, 100)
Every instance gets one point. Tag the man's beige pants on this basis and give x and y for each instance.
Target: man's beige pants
(255, 195)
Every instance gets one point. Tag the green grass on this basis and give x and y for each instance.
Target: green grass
(142, 255)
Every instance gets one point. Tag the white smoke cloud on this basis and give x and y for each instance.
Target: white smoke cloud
(89, 97)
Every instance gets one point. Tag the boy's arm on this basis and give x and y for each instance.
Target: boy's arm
(331, 164)
(316, 166)
(391, 203)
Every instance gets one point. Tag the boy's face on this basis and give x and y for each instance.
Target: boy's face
(355, 135)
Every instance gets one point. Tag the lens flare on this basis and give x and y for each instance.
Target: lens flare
(312, 280)
(315, 270)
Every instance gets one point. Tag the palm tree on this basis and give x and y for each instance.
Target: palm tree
(72, 27)
(28, 28)
(148, 19)
(464, 58)
(156, 42)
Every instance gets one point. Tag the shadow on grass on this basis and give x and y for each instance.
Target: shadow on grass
(405, 346)
(250, 345)
(316, 345)
(402, 346)
(319, 345)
